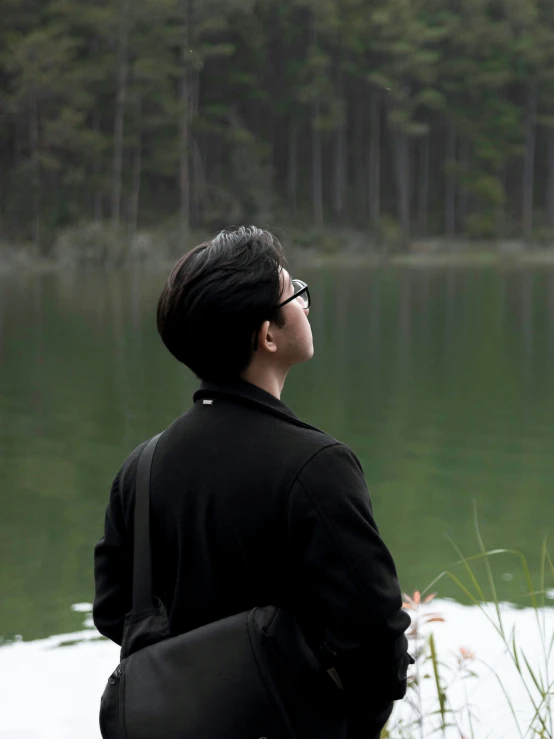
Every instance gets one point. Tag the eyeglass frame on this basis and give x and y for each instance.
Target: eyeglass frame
(303, 289)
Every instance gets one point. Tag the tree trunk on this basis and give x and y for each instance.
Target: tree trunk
(360, 163)
(462, 189)
(317, 168)
(35, 168)
(184, 168)
(16, 146)
(185, 100)
(423, 186)
(137, 177)
(500, 209)
(317, 172)
(529, 160)
(374, 158)
(340, 172)
(122, 75)
(97, 169)
(402, 170)
(200, 191)
(340, 147)
(550, 179)
(450, 185)
(292, 165)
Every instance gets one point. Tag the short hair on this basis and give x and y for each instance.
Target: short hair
(217, 297)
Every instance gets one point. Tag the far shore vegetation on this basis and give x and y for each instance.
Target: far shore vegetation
(103, 246)
(379, 128)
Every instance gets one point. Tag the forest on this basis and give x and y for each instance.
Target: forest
(403, 119)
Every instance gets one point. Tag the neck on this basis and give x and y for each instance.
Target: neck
(272, 381)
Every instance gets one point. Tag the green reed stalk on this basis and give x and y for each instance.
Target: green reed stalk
(440, 693)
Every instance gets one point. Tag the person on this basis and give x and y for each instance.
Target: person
(250, 505)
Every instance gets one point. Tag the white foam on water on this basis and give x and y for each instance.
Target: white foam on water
(468, 628)
(50, 691)
(82, 607)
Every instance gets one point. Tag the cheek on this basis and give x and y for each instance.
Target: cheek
(301, 331)
(306, 327)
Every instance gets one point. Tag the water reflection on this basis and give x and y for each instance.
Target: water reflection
(439, 379)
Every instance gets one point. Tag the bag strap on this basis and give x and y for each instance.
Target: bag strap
(143, 596)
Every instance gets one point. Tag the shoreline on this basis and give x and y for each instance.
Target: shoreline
(64, 710)
(432, 260)
(418, 260)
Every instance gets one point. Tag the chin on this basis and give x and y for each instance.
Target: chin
(302, 354)
(309, 354)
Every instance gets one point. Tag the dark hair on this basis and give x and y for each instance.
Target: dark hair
(216, 298)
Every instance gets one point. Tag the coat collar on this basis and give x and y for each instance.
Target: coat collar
(245, 392)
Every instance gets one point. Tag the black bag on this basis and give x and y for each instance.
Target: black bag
(248, 676)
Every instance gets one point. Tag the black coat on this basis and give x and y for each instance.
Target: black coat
(251, 506)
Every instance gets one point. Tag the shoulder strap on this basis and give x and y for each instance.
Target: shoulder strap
(142, 556)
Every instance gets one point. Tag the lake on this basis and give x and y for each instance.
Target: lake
(439, 379)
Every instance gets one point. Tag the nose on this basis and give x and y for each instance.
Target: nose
(307, 311)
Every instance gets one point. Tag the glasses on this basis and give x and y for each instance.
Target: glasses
(301, 293)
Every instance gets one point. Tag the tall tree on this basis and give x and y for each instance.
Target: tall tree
(423, 184)
(432, 115)
(185, 115)
(374, 164)
(119, 108)
(317, 168)
(528, 179)
(450, 183)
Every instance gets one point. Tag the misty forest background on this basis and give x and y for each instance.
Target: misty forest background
(403, 119)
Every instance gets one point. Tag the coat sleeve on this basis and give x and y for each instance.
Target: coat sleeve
(346, 579)
(113, 554)
(113, 569)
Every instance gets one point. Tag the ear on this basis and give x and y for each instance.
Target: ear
(266, 338)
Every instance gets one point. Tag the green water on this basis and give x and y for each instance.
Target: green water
(441, 381)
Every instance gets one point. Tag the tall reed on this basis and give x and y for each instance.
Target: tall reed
(534, 670)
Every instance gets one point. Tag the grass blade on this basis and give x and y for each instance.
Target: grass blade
(536, 680)
(464, 561)
(440, 693)
(487, 567)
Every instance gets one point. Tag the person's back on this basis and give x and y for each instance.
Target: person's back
(251, 506)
